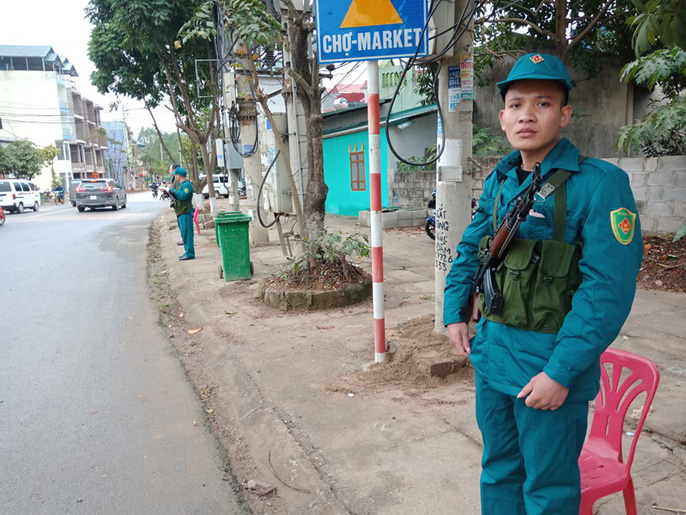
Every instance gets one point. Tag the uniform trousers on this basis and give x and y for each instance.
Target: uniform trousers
(530, 457)
(186, 228)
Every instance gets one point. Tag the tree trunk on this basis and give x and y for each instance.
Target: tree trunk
(315, 198)
(306, 75)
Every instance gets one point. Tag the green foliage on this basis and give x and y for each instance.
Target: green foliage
(332, 249)
(248, 20)
(425, 83)
(486, 144)
(155, 161)
(662, 131)
(663, 20)
(132, 46)
(429, 155)
(54, 180)
(21, 159)
(680, 233)
(666, 68)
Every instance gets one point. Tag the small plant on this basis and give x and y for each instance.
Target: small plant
(327, 255)
(486, 144)
(429, 155)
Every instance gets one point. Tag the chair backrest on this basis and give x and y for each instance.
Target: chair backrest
(616, 396)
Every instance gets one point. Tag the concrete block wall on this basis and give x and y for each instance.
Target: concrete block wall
(410, 190)
(658, 183)
(659, 186)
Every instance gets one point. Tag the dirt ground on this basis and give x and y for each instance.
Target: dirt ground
(664, 264)
(407, 380)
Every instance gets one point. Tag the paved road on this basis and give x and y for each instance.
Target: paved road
(95, 413)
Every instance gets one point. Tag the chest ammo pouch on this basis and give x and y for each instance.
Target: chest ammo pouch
(537, 278)
(181, 207)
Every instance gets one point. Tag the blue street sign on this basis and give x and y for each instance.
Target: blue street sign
(361, 30)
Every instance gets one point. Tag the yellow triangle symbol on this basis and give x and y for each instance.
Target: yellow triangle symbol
(366, 13)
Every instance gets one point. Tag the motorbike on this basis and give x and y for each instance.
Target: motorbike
(59, 197)
(430, 223)
(154, 193)
(2, 217)
(165, 195)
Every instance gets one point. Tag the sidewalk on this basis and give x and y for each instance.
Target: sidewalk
(293, 399)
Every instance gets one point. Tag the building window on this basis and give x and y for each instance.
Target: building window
(357, 169)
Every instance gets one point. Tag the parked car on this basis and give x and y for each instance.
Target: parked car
(19, 194)
(221, 186)
(95, 193)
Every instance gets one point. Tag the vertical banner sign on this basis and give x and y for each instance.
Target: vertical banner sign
(454, 88)
(467, 76)
(361, 30)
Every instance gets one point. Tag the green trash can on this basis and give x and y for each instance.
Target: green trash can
(235, 246)
(223, 215)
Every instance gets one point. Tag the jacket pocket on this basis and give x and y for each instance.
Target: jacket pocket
(556, 282)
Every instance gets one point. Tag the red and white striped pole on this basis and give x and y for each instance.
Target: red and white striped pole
(376, 221)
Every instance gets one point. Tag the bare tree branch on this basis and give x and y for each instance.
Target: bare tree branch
(522, 21)
(591, 24)
(157, 129)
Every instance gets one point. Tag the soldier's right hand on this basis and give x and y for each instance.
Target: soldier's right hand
(459, 336)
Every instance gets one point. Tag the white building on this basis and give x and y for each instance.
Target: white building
(40, 102)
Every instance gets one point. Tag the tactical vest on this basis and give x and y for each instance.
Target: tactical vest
(182, 207)
(537, 278)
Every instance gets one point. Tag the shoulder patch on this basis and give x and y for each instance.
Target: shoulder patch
(623, 224)
(186, 190)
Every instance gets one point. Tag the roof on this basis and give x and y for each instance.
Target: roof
(25, 51)
(352, 121)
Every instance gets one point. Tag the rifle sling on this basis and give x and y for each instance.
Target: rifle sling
(558, 181)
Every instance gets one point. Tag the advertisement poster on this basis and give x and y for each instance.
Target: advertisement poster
(454, 87)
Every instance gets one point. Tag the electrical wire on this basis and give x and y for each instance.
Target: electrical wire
(462, 23)
(259, 195)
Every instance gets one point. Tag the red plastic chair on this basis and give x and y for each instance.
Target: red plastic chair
(604, 469)
(195, 218)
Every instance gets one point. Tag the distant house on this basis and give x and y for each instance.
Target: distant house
(345, 141)
(346, 152)
(40, 102)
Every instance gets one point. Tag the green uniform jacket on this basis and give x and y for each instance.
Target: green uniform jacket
(612, 252)
(183, 195)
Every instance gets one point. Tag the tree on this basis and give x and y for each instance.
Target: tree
(152, 152)
(133, 47)
(253, 28)
(21, 159)
(579, 31)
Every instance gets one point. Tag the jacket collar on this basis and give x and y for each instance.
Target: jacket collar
(563, 156)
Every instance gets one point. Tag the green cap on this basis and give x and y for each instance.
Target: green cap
(537, 67)
(180, 171)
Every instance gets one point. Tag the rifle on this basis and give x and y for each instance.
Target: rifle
(484, 278)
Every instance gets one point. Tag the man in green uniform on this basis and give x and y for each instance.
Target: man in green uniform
(568, 283)
(182, 191)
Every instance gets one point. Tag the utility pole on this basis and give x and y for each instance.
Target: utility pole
(252, 163)
(454, 182)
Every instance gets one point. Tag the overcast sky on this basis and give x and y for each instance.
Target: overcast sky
(62, 25)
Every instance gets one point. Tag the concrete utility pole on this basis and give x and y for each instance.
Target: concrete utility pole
(453, 173)
(247, 116)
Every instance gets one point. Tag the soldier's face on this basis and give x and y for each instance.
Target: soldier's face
(534, 115)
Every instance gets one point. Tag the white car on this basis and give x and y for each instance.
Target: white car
(221, 186)
(16, 195)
